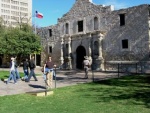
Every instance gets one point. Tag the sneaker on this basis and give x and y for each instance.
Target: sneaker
(22, 78)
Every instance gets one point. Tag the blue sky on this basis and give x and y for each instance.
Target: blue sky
(54, 9)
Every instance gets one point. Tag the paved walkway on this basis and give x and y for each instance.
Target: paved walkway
(64, 78)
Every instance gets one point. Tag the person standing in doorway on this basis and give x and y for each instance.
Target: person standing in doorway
(86, 65)
(32, 67)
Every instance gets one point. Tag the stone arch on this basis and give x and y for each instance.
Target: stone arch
(80, 53)
(95, 23)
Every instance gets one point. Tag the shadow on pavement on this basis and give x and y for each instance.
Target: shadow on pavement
(37, 86)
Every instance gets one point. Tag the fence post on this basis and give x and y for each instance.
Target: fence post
(55, 77)
(136, 68)
(92, 73)
(105, 65)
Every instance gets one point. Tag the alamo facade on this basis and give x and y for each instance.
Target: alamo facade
(99, 32)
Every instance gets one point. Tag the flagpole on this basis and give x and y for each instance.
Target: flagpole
(35, 22)
(35, 33)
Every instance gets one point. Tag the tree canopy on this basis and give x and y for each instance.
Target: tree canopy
(19, 41)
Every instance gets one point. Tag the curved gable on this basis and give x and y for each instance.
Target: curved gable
(83, 8)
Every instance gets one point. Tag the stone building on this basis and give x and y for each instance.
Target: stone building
(99, 32)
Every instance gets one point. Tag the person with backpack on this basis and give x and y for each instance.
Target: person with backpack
(32, 67)
(25, 69)
(86, 65)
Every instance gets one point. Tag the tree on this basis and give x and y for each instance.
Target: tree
(2, 31)
(18, 41)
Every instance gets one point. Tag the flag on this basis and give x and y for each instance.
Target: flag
(38, 15)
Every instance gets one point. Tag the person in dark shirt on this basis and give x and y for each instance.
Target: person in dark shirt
(48, 66)
(25, 68)
(32, 67)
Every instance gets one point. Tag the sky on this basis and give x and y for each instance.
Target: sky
(54, 9)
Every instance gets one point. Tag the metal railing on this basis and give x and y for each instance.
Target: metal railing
(129, 67)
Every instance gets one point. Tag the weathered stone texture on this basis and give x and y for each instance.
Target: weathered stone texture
(108, 36)
(135, 30)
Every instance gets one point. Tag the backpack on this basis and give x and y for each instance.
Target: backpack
(31, 64)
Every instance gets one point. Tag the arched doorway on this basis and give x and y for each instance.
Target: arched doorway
(80, 53)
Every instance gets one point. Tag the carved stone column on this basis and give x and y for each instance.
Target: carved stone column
(100, 46)
(90, 50)
(69, 53)
(62, 58)
(100, 57)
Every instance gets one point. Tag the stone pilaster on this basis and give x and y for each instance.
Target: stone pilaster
(100, 60)
(69, 55)
(62, 58)
(90, 50)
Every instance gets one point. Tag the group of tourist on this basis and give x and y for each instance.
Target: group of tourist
(48, 66)
(14, 74)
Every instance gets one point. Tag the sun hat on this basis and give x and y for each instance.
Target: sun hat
(12, 58)
(86, 57)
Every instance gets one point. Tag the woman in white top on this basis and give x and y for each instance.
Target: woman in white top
(12, 71)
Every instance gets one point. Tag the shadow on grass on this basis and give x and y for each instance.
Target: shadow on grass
(134, 90)
(140, 81)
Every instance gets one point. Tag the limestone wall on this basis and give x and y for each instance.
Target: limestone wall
(53, 41)
(135, 30)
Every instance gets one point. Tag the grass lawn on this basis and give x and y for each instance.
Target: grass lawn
(130, 94)
(5, 74)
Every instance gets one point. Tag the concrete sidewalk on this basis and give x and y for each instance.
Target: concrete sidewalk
(63, 78)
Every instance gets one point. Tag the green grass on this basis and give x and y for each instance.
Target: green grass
(130, 94)
(5, 74)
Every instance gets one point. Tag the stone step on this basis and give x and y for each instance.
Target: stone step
(41, 93)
